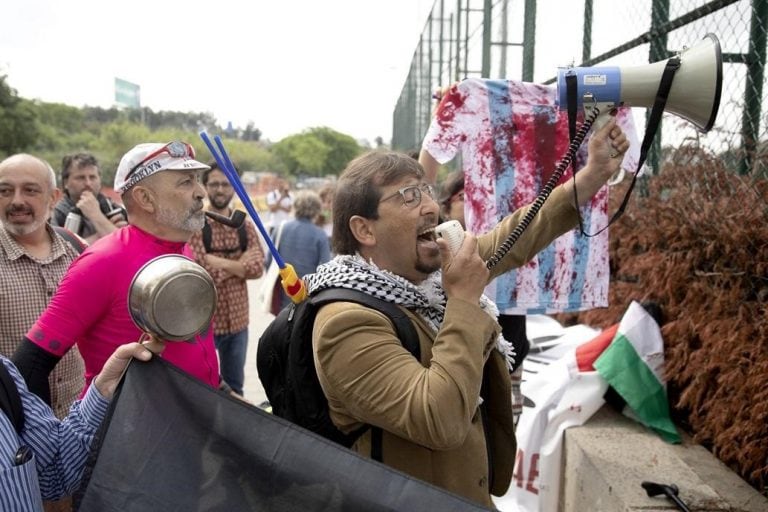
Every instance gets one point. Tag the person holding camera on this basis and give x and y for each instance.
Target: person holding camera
(83, 209)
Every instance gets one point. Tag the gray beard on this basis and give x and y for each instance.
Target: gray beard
(23, 229)
(188, 221)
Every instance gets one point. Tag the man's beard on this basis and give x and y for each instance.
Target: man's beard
(190, 221)
(219, 202)
(23, 229)
(427, 269)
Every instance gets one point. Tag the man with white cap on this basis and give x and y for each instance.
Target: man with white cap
(160, 188)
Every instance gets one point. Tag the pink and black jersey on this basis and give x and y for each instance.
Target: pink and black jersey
(90, 307)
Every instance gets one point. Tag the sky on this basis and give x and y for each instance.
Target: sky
(285, 65)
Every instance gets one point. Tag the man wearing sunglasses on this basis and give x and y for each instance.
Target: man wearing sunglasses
(446, 418)
(160, 188)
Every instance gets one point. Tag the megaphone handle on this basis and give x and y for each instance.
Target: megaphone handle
(604, 111)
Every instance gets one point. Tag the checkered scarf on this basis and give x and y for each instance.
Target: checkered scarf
(426, 299)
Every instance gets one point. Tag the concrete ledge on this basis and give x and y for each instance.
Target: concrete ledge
(605, 460)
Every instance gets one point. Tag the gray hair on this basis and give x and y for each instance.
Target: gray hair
(21, 158)
(306, 204)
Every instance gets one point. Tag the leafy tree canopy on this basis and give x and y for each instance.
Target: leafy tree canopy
(317, 151)
(18, 127)
(52, 130)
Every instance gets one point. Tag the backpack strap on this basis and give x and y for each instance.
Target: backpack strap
(403, 327)
(207, 236)
(70, 237)
(242, 235)
(10, 401)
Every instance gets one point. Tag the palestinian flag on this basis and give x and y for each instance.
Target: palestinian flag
(633, 364)
(628, 356)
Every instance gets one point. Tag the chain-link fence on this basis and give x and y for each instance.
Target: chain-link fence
(528, 40)
(713, 187)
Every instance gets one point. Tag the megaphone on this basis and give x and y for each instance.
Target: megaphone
(694, 94)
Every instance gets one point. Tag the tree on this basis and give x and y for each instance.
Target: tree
(343, 148)
(302, 153)
(317, 151)
(18, 127)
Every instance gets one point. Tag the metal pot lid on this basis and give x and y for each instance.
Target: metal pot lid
(172, 298)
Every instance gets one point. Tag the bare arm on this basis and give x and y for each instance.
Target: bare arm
(109, 377)
(430, 166)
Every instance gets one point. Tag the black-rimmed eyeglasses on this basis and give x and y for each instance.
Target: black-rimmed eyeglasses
(412, 194)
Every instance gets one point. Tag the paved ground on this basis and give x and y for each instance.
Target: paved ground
(259, 321)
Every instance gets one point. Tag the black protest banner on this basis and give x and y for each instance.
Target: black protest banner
(171, 443)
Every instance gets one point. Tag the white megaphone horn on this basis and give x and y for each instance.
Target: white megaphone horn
(694, 94)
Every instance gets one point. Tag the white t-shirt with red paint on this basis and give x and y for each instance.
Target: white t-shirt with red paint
(510, 136)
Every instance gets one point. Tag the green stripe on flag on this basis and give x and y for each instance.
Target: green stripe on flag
(621, 366)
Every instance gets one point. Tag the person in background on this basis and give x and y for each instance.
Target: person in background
(81, 181)
(446, 418)
(452, 198)
(302, 243)
(324, 219)
(512, 326)
(231, 256)
(280, 204)
(160, 187)
(46, 459)
(33, 260)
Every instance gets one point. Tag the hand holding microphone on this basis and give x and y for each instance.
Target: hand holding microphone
(452, 232)
(464, 273)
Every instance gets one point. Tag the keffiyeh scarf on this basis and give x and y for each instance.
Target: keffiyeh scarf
(426, 299)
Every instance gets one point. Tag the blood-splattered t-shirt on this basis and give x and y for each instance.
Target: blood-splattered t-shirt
(511, 136)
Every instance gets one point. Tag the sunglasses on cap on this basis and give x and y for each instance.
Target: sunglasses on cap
(175, 149)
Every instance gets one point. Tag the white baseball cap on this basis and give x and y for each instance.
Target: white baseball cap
(146, 159)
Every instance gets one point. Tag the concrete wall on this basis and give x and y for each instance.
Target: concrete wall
(606, 460)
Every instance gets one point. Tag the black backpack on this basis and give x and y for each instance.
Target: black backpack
(208, 236)
(286, 365)
(10, 400)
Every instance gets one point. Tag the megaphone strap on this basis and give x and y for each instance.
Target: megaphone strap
(665, 84)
